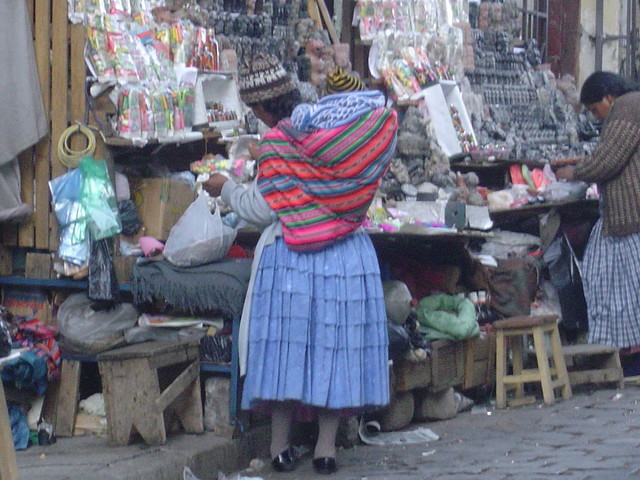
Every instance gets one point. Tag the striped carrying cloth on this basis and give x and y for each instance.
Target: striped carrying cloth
(321, 183)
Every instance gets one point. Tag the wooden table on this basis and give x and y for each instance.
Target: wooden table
(8, 463)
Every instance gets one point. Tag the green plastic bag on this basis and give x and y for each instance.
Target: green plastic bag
(98, 198)
(446, 316)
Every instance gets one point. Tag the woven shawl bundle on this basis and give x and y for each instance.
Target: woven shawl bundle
(321, 183)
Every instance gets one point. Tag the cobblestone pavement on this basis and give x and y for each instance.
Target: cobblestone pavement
(593, 436)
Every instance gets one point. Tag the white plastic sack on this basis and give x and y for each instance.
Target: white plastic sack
(87, 331)
(199, 237)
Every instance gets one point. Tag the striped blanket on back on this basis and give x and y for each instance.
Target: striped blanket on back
(321, 183)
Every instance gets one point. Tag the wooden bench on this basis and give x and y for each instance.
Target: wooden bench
(146, 382)
(593, 363)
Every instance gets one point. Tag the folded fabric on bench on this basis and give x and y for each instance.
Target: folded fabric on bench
(218, 287)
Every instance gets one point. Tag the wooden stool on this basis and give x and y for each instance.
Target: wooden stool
(514, 329)
(593, 363)
(142, 383)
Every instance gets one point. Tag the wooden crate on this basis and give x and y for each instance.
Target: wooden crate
(442, 369)
(447, 364)
(38, 265)
(480, 361)
(6, 261)
(124, 267)
(411, 373)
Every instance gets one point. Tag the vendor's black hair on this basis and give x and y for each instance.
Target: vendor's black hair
(600, 84)
(282, 107)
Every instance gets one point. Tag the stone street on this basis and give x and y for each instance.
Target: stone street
(592, 436)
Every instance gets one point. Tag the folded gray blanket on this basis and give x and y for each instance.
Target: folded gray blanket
(218, 287)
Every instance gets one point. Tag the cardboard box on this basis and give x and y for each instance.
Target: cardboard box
(38, 265)
(26, 303)
(124, 267)
(161, 202)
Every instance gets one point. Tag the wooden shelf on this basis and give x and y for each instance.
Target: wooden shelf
(495, 164)
(177, 139)
(52, 283)
(219, 73)
(575, 207)
(215, 367)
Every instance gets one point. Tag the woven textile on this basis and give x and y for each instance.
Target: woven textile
(611, 285)
(262, 79)
(321, 183)
(335, 110)
(214, 287)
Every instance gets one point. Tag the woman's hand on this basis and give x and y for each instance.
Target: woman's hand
(213, 186)
(565, 172)
(253, 150)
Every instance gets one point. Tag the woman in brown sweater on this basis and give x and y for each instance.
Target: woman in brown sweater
(611, 267)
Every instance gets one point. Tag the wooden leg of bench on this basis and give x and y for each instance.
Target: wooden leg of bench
(188, 407)
(149, 420)
(501, 368)
(559, 363)
(67, 398)
(517, 355)
(183, 394)
(130, 389)
(8, 463)
(543, 365)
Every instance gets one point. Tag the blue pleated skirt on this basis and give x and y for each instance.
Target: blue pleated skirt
(318, 332)
(611, 278)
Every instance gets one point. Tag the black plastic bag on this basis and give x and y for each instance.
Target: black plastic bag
(5, 339)
(103, 284)
(565, 276)
(399, 341)
(129, 217)
(215, 348)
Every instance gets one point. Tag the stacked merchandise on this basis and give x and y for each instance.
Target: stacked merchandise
(468, 95)
(528, 117)
(255, 27)
(144, 50)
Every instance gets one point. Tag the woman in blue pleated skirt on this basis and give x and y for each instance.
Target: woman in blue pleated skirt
(313, 335)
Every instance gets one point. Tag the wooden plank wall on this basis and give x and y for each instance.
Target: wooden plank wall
(59, 48)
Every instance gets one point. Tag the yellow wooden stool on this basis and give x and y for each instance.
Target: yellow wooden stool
(513, 330)
(142, 383)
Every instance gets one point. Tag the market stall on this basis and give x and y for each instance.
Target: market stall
(482, 123)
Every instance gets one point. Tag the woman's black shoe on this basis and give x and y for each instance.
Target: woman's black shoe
(325, 465)
(285, 462)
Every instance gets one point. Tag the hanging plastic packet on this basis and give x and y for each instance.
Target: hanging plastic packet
(98, 198)
(71, 215)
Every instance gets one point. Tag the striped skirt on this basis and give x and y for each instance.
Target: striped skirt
(318, 332)
(611, 278)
